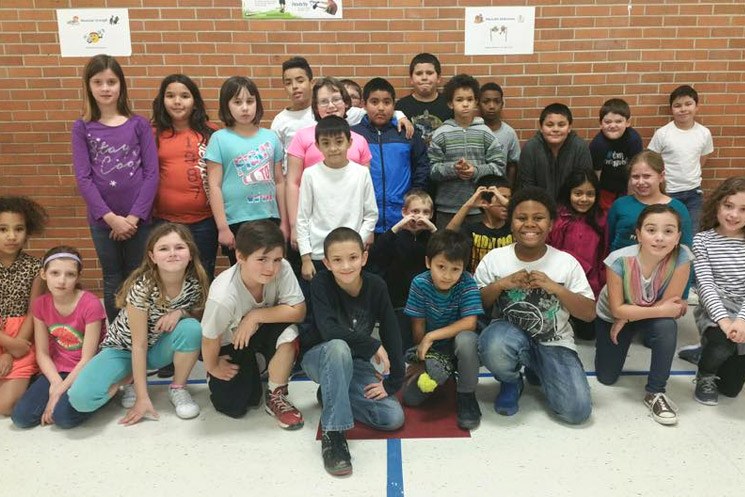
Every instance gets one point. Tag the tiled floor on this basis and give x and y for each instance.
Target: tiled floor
(621, 451)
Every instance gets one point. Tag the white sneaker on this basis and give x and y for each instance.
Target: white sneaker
(129, 397)
(185, 406)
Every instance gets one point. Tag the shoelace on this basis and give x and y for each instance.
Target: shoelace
(180, 396)
(280, 401)
(708, 384)
(663, 403)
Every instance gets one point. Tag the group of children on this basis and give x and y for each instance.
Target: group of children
(342, 262)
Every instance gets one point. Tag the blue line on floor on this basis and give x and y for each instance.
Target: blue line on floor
(624, 373)
(395, 487)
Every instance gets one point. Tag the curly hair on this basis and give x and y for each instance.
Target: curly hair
(728, 187)
(33, 213)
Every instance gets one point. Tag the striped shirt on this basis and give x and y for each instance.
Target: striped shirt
(720, 272)
(144, 295)
(440, 309)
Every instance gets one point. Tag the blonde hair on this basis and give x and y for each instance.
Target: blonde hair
(417, 193)
(149, 270)
(653, 160)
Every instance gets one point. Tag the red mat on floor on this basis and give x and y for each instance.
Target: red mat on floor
(433, 419)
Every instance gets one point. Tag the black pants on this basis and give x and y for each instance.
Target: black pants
(719, 357)
(583, 329)
(244, 390)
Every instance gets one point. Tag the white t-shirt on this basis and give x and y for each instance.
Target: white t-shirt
(535, 311)
(229, 300)
(331, 198)
(681, 149)
(286, 124)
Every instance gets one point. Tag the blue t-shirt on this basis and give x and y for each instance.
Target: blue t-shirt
(248, 188)
(440, 309)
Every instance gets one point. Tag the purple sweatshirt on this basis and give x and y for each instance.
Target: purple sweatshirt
(116, 168)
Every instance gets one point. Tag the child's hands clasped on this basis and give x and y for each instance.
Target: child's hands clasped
(518, 279)
(414, 223)
(55, 392)
(538, 279)
(464, 169)
(736, 331)
(17, 347)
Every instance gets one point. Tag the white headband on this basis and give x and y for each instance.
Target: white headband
(62, 255)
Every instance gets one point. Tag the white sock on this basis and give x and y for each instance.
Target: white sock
(273, 386)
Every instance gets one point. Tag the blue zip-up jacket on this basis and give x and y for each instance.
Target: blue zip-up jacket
(397, 166)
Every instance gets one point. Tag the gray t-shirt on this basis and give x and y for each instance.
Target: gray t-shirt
(229, 300)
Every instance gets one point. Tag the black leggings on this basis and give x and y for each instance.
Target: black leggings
(719, 357)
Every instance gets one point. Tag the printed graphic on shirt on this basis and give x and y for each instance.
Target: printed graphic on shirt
(255, 165)
(615, 159)
(66, 336)
(113, 157)
(482, 244)
(426, 124)
(534, 311)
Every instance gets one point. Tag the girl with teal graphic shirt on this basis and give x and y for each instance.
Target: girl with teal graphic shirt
(244, 165)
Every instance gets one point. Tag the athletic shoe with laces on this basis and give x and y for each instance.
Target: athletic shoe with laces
(664, 410)
(278, 406)
(185, 406)
(509, 393)
(335, 452)
(706, 390)
(128, 396)
(468, 411)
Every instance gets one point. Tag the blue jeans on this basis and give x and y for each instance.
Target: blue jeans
(30, 408)
(117, 260)
(91, 388)
(692, 200)
(343, 380)
(205, 236)
(661, 337)
(505, 349)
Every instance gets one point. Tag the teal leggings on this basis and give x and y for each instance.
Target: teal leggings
(91, 388)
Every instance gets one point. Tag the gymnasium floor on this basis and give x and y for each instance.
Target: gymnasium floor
(621, 451)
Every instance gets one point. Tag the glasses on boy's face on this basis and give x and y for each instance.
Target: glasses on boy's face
(336, 101)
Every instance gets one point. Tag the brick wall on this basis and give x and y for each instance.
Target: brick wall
(585, 52)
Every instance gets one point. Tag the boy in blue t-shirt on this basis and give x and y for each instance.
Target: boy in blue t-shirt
(444, 304)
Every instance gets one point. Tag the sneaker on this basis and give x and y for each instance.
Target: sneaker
(664, 410)
(509, 393)
(128, 396)
(468, 411)
(166, 371)
(335, 451)
(706, 389)
(690, 353)
(277, 405)
(185, 406)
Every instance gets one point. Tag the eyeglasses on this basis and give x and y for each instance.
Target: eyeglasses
(334, 101)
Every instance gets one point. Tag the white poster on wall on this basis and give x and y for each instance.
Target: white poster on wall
(87, 32)
(292, 9)
(499, 30)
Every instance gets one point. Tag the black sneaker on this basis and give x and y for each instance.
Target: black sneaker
(335, 451)
(468, 411)
(166, 371)
(706, 390)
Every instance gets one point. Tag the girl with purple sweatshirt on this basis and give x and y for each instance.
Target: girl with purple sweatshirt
(116, 168)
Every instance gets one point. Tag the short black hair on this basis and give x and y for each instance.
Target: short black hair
(493, 180)
(683, 91)
(492, 86)
(555, 108)
(297, 63)
(232, 87)
(34, 215)
(378, 84)
(453, 245)
(536, 194)
(340, 235)
(332, 126)
(615, 106)
(259, 235)
(460, 81)
(425, 58)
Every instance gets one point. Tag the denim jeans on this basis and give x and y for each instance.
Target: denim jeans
(30, 408)
(505, 349)
(661, 337)
(343, 380)
(91, 388)
(692, 199)
(205, 237)
(117, 260)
